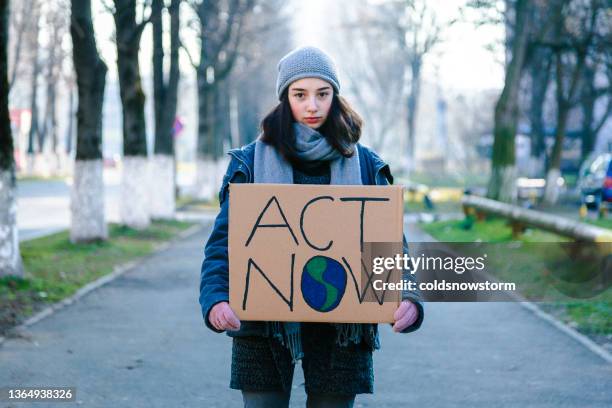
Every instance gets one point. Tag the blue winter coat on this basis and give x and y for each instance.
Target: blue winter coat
(214, 277)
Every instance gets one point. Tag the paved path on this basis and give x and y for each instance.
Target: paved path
(140, 342)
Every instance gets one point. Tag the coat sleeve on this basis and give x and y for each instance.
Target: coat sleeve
(214, 275)
(413, 296)
(385, 178)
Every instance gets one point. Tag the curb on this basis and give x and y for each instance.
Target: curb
(103, 280)
(558, 324)
(573, 333)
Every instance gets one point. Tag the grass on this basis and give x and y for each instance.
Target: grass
(444, 200)
(440, 179)
(191, 203)
(440, 207)
(492, 230)
(55, 268)
(40, 178)
(542, 263)
(602, 223)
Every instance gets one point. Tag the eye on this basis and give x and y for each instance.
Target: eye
(298, 95)
(323, 94)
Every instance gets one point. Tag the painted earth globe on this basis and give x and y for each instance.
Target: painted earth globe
(323, 283)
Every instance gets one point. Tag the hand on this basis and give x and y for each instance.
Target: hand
(222, 317)
(405, 315)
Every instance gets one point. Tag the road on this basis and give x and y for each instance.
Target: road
(140, 341)
(43, 207)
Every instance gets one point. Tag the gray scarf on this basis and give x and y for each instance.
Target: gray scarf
(271, 167)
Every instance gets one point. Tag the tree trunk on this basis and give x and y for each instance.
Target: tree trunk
(222, 118)
(10, 258)
(589, 97)
(207, 158)
(134, 184)
(205, 154)
(87, 195)
(49, 128)
(217, 55)
(540, 78)
(551, 192)
(70, 120)
(502, 184)
(412, 106)
(564, 104)
(206, 104)
(33, 135)
(20, 28)
(165, 96)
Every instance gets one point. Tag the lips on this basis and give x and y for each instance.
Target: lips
(312, 120)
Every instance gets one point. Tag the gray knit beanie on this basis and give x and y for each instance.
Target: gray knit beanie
(305, 62)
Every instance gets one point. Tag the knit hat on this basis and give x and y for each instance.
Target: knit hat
(306, 62)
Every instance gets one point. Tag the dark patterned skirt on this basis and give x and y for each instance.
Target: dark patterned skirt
(264, 364)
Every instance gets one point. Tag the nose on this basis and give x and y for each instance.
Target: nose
(312, 105)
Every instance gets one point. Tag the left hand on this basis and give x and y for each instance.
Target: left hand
(405, 315)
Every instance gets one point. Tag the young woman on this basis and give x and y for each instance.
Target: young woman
(310, 137)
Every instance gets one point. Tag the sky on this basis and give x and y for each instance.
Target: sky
(461, 61)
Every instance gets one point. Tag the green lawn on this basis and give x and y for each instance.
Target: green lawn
(191, 203)
(492, 230)
(55, 268)
(603, 223)
(446, 180)
(539, 260)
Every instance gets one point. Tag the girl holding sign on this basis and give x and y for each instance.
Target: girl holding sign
(310, 137)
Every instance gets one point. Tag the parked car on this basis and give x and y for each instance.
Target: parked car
(595, 181)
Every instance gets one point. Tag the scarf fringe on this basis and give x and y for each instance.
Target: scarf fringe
(289, 335)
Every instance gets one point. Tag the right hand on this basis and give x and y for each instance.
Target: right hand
(222, 317)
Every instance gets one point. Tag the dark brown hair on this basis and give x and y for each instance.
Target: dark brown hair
(342, 128)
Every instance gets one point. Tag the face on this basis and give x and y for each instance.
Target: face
(310, 100)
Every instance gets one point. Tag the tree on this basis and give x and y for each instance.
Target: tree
(165, 98)
(251, 83)
(134, 210)
(33, 43)
(56, 25)
(87, 198)
(375, 67)
(539, 65)
(21, 22)
(577, 34)
(591, 93)
(10, 258)
(220, 30)
(415, 29)
(503, 168)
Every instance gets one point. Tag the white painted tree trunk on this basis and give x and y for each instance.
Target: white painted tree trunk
(552, 189)
(209, 176)
(10, 258)
(162, 188)
(220, 169)
(203, 189)
(134, 209)
(505, 176)
(88, 221)
(535, 166)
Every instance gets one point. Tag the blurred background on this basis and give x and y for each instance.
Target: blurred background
(133, 104)
(116, 117)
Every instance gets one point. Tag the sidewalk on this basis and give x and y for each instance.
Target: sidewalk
(140, 341)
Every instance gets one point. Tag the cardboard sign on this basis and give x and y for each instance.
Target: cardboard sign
(295, 251)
